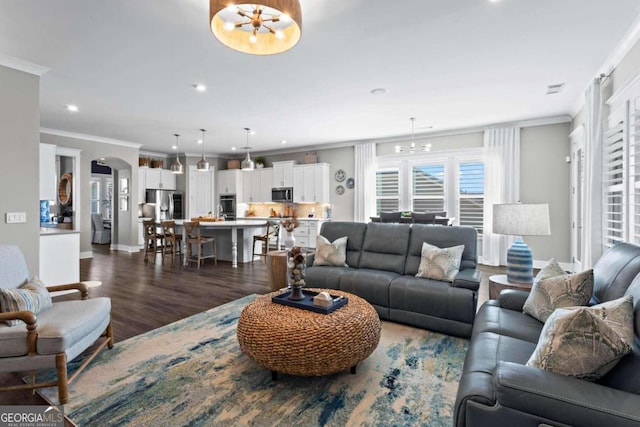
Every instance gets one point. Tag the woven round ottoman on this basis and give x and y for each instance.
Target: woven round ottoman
(293, 341)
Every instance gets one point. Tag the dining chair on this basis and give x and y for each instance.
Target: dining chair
(172, 241)
(272, 233)
(153, 241)
(193, 237)
(100, 234)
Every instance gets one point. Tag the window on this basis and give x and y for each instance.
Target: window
(95, 196)
(387, 191)
(428, 188)
(471, 194)
(613, 183)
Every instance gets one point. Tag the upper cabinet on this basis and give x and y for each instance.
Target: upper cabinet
(256, 185)
(162, 179)
(48, 178)
(311, 183)
(230, 182)
(283, 174)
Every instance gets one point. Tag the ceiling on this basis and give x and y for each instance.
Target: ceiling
(130, 67)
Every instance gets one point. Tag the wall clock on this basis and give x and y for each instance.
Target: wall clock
(340, 175)
(340, 190)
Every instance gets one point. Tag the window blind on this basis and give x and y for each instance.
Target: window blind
(471, 194)
(613, 183)
(428, 188)
(387, 191)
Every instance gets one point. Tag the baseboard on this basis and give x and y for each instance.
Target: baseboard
(125, 248)
(86, 254)
(566, 266)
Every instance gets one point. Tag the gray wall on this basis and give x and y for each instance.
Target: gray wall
(438, 143)
(119, 157)
(19, 181)
(545, 178)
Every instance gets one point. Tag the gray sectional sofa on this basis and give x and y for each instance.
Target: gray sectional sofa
(497, 389)
(383, 260)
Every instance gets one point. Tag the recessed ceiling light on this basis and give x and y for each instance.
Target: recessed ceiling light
(556, 88)
(252, 132)
(233, 148)
(199, 141)
(200, 87)
(284, 141)
(174, 147)
(72, 107)
(379, 91)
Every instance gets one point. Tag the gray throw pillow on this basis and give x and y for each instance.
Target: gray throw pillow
(585, 342)
(32, 296)
(331, 253)
(557, 292)
(440, 263)
(551, 269)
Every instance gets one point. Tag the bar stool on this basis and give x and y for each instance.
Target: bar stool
(193, 237)
(172, 241)
(153, 241)
(273, 232)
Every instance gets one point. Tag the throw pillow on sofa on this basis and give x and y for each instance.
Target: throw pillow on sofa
(32, 296)
(585, 342)
(331, 253)
(440, 263)
(557, 292)
(551, 269)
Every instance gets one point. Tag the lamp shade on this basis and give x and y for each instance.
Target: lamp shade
(521, 219)
(263, 28)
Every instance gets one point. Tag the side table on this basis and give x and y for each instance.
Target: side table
(498, 282)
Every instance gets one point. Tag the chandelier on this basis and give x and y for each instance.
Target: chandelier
(274, 26)
(412, 147)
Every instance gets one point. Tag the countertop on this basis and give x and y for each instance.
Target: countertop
(228, 224)
(274, 218)
(46, 231)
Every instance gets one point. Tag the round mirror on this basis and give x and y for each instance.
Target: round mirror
(65, 189)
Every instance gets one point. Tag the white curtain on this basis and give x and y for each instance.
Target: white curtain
(592, 195)
(501, 185)
(365, 185)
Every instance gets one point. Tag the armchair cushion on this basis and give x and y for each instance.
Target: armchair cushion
(32, 296)
(558, 292)
(331, 253)
(440, 263)
(585, 342)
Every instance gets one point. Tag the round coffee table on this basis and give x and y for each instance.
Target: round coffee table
(293, 341)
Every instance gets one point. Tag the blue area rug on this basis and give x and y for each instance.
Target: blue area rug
(192, 373)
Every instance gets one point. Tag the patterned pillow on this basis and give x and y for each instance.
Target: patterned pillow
(440, 263)
(552, 269)
(328, 253)
(557, 292)
(32, 296)
(585, 342)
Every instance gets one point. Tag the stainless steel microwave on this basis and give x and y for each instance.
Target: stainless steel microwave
(284, 194)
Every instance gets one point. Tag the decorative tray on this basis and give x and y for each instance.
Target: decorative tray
(307, 302)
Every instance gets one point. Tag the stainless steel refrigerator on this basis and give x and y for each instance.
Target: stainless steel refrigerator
(162, 203)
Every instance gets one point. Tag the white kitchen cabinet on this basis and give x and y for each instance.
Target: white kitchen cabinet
(162, 179)
(48, 179)
(230, 182)
(256, 185)
(59, 256)
(283, 174)
(311, 183)
(307, 232)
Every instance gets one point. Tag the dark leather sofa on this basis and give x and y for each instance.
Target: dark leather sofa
(383, 260)
(498, 389)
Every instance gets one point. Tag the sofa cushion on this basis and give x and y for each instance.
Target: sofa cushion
(551, 269)
(354, 231)
(331, 253)
(557, 292)
(372, 285)
(443, 237)
(33, 296)
(516, 324)
(440, 263)
(385, 247)
(13, 340)
(326, 277)
(585, 342)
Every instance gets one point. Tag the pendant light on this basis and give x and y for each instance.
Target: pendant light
(203, 165)
(176, 167)
(412, 146)
(248, 164)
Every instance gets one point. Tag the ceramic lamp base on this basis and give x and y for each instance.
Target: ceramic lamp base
(519, 262)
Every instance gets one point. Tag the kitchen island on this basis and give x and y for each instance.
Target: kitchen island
(234, 239)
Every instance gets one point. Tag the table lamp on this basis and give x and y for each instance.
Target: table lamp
(521, 220)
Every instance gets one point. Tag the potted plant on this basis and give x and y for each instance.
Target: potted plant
(260, 161)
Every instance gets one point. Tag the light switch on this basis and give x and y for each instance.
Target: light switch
(16, 217)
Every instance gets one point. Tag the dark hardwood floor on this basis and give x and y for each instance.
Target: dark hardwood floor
(145, 296)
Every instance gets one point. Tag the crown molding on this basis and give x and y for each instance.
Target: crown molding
(93, 138)
(22, 65)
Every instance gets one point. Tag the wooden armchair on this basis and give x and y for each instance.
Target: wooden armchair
(272, 233)
(52, 337)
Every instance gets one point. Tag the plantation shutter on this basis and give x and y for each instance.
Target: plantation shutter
(471, 194)
(387, 191)
(428, 188)
(634, 173)
(613, 182)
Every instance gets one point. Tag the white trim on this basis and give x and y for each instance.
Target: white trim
(86, 254)
(431, 155)
(622, 92)
(125, 248)
(93, 138)
(577, 132)
(155, 154)
(22, 65)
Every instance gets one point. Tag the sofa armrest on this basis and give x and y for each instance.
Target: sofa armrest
(80, 287)
(563, 399)
(512, 299)
(468, 278)
(309, 258)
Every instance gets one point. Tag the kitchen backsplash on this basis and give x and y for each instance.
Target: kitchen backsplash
(303, 210)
